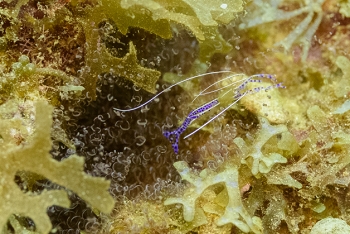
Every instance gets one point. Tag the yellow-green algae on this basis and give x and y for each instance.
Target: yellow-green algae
(35, 158)
(295, 158)
(155, 17)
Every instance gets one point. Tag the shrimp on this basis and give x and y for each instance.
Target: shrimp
(174, 136)
(237, 87)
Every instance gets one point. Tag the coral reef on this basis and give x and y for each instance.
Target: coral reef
(272, 162)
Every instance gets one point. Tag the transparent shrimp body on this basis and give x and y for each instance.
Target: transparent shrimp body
(233, 87)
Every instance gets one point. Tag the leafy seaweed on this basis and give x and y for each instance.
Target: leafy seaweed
(34, 157)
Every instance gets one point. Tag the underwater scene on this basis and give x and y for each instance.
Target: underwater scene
(174, 116)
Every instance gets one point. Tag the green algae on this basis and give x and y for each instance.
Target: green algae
(298, 169)
(35, 158)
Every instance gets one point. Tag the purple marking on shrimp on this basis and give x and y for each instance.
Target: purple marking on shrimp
(202, 109)
(257, 89)
(174, 136)
(251, 80)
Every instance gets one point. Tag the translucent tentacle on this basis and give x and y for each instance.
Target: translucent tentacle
(202, 93)
(167, 89)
